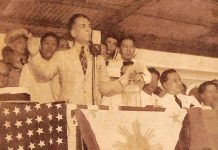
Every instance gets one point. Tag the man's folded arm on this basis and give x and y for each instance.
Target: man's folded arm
(43, 69)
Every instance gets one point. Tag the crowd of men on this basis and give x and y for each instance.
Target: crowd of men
(59, 72)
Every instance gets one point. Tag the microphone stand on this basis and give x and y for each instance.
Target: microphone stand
(94, 66)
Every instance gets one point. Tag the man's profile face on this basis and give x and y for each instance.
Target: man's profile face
(210, 94)
(48, 47)
(152, 86)
(174, 84)
(19, 45)
(81, 30)
(111, 45)
(127, 49)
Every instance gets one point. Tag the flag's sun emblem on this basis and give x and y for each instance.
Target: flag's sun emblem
(136, 140)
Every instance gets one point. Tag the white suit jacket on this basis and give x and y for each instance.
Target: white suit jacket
(74, 85)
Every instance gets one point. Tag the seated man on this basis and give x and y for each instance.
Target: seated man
(40, 90)
(174, 100)
(151, 88)
(208, 92)
(132, 95)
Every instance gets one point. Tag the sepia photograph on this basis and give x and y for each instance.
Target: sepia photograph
(109, 75)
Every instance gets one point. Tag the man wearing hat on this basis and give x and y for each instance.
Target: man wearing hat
(15, 54)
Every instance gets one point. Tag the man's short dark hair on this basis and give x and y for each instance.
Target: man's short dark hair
(203, 86)
(215, 81)
(164, 75)
(153, 70)
(72, 20)
(49, 34)
(111, 36)
(128, 37)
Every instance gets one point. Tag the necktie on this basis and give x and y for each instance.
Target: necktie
(83, 60)
(178, 101)
(127, 63)
(106, 62)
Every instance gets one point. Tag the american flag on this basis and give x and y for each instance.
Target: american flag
(33, 126)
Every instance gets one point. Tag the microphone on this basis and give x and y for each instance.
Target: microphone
(95, 43)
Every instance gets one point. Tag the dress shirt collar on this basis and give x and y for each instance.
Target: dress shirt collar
(78, 46)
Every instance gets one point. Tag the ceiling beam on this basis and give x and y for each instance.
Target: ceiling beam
(37, 30)
(177, 20)
(33, 22)
(122, 14)
(83, 4)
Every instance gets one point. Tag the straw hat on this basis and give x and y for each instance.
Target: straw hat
(15, 33)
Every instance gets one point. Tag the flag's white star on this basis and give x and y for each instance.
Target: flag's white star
(19, 136)
(20, 148)
(59, 129)
(16, 110)
(50, 141)
(32, 146)
(49, 105)
(40, 131)
(50, 129)
(37, 106)
(39, 119)
(58, 106)
(29, 121)
(41, 143)
(6, 111)
(7, 124)
(18, 124)
(49, 117)
(8, 137)
(30, 133)
(9, 148)
(59, 141)
(59, 117)
(27, 108)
